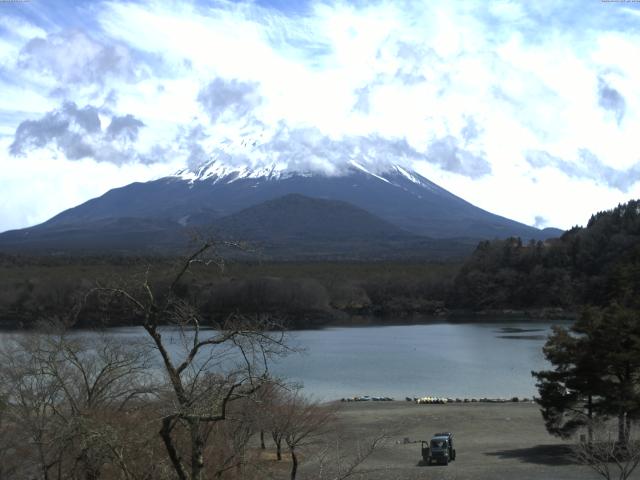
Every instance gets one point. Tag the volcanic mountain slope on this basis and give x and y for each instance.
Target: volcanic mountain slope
(157, 214)
(286, 228)
(298, 227)
(296, 217)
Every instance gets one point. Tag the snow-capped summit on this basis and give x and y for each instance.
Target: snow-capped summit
(217, 171)
(300, 153)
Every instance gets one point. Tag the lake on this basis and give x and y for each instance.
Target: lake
(436, 359)
(440, 359)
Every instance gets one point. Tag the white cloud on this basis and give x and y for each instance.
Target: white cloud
(525, 195)
(21, 28)
(528, 76)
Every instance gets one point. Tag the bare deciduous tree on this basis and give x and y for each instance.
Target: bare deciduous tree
(229, 444)
(334, 464)
(606, 455)
(185, 404)
(211, 369)
(305, 422)
(62, 394)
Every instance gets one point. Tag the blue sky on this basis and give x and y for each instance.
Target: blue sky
(527, 109)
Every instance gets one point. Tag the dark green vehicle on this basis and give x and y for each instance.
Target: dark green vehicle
(439, 449)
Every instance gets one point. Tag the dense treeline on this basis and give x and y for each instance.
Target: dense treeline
(594, 265)
(301, 294)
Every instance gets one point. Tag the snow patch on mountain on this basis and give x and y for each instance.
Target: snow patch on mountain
(363, 169)
(217, 171)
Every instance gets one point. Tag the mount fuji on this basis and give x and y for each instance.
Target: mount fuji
(356, 212)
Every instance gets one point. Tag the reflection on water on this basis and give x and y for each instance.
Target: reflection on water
(519, 330)
(523, 337)
(515, 333)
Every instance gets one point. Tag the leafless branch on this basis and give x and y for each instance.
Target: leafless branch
(606, 455)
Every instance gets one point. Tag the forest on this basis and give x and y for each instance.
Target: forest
(299, 294)
(591, 265)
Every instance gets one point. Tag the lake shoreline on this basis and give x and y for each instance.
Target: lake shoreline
(359, 320)
(457, 316)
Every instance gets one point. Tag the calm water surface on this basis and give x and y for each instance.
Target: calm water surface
(441, 359)
(451, 360)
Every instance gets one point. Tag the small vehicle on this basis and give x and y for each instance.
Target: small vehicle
(439, 449)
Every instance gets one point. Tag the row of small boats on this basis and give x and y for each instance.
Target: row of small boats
(441, 400)
(367, 398)
(435, 400)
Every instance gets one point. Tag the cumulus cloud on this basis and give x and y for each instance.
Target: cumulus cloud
(588, 166)
(413, 58)
(126, 126)
(449, 155)
(406, 65)
(77, 133)
(362, 103)
(74, 57)
(305, 149)
(470, 131)
(222, 96)
(610, 99)
(66, 127)
(540, 221)
(188, 144)
(308, 149)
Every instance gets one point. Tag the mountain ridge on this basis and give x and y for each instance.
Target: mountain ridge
(198, 199)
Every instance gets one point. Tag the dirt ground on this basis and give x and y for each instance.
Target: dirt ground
(493, 441)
